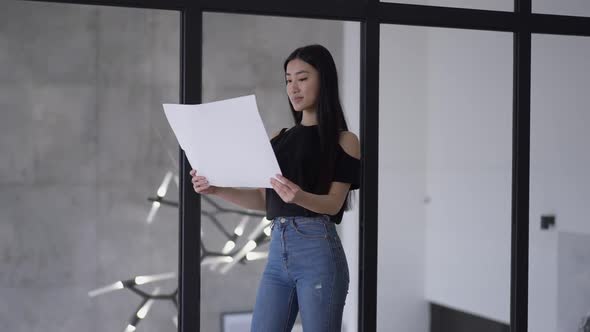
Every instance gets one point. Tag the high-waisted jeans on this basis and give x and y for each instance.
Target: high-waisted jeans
(307, 273)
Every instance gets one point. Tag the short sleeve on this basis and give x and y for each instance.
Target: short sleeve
(348, 169)
(279, 134)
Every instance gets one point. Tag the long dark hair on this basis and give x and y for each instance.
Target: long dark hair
(329, 110)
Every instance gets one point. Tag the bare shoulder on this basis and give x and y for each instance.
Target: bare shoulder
(350, 144)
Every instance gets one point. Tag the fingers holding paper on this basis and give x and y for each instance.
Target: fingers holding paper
(287, 190)
(201, 184)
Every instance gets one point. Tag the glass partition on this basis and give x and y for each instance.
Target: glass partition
(562, 7)
(559, 233)
(86, 150)
(500, 5)
(445, 151)
(243, 55)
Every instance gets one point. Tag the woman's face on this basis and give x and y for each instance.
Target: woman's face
(303, 85)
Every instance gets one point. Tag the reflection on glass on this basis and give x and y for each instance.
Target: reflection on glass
(244, 55)
(500, 5)
(86, 168)
(444, 179)
(559, 234)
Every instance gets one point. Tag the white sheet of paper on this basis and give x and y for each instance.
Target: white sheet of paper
(225, 141)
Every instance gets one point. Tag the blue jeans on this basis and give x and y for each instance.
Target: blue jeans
(307, 272)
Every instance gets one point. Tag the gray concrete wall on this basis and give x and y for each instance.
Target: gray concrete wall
(80, 94)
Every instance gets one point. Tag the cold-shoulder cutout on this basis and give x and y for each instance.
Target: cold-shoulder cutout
(350, 144)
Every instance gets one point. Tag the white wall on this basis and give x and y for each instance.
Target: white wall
(445, 136)
(560, 130)
(469, 171)
(349, 76)
(454, 250)
(468, 217)
(402, 182)
(560, 122)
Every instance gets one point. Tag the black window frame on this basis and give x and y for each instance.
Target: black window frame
(371, 14)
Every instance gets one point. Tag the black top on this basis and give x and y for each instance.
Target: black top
(298, 151)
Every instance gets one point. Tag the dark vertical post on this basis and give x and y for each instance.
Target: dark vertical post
(520, 170)
(368, 209)
(189, 275)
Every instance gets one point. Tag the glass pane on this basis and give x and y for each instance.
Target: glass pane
(242, 55)
(500, 5)
(559, 254)
(562, 7)
(444, 179)
(84, 144)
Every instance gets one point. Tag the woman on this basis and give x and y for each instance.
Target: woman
(306, 270)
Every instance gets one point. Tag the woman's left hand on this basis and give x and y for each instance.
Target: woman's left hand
(287, 190)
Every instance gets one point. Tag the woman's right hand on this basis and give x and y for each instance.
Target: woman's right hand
(201, 184)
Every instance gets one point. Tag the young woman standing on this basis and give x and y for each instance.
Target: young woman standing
(307, 271)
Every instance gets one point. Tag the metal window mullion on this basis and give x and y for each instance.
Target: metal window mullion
(446, 17)
(190, 204)
(368, 207)
(143, 4)
(521, 170)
